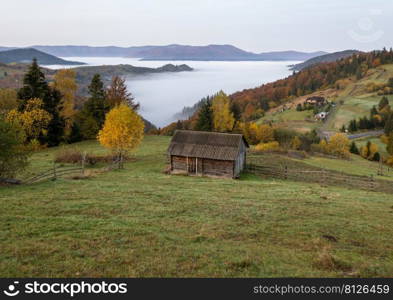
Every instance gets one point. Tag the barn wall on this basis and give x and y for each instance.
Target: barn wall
(179, 163)
(205, 166)
(218, 167)
(240, 160)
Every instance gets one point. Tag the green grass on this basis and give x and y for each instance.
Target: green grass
(355, 166)
(141, 222)
(296, 120)
(375, 140)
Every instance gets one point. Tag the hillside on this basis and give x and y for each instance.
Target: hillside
(353, 101)
(324, 59)
(176, 52)
(26, 55)
(11, 76)
(140, 222)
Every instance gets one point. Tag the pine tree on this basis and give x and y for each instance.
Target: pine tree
(35, 86)
(94, 109)
(389, 124)
(205, 117)
(354, 149)
(353, 126)
(343, 129)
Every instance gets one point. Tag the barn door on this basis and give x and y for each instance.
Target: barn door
(192, 165)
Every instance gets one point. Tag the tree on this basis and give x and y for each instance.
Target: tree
(338, 145)
(13, 154)
(390, 82)
(389, 147)
(65, 83)
(353, 127)
(8, 101)
(34, 120)
(122, 131)
(205, 117)
(369, 150)
(296, 143)
(264, 133)
(36, 87)
(92, 116)
(223, 120)
(117, 94)
(389, 124)
(383, 103)
(354, 149)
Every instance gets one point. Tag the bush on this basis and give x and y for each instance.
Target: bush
(75, 156)
(264, 147)
(13, 154)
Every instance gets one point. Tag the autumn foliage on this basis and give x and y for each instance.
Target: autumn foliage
(122, 130)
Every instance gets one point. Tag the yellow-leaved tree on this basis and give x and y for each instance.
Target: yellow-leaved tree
(223, 119)
(338, 145)
(65, 83)
(122, 131)
(34, 119)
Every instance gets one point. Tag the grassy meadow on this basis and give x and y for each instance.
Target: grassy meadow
(140, 222)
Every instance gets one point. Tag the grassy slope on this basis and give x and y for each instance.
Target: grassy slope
(141, 222)
(356, 103)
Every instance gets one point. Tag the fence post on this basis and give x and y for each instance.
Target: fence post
(83, 163)
(286, 172)
(54, 171)
(372, 182)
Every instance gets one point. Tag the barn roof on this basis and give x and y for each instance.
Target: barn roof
(201, 144)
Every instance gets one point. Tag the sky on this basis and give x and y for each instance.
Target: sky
(253, 25)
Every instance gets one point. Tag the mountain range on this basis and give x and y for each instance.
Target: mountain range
(175, 52)
(26, 55)
(330, 57)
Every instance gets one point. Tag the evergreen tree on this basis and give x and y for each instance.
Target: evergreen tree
(94, 110)
(354, 149)
(343, 128)
(376, 157)
(389, 124)
(35, 86)
(353, 126)
(383, 103)
(235, 109)
(205, 117)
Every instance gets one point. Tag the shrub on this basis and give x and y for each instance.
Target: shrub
(75, 156)
(271, 146)
(13, 153)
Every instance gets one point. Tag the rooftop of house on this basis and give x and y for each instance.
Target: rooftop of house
(201, 144)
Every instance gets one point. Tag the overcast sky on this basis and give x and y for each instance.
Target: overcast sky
(254, 25)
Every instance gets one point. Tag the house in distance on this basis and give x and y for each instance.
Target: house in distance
(207, 153)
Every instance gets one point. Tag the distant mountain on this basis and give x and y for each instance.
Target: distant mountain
(177, 52)
(324, 58)
(26, 55)
(290, 55)
(220, 52)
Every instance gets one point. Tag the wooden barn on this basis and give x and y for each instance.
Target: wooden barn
(207, 153)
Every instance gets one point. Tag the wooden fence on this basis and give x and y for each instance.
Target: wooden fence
(54, 173)
(323, 177)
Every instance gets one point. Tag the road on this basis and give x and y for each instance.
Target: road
(327, 134)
